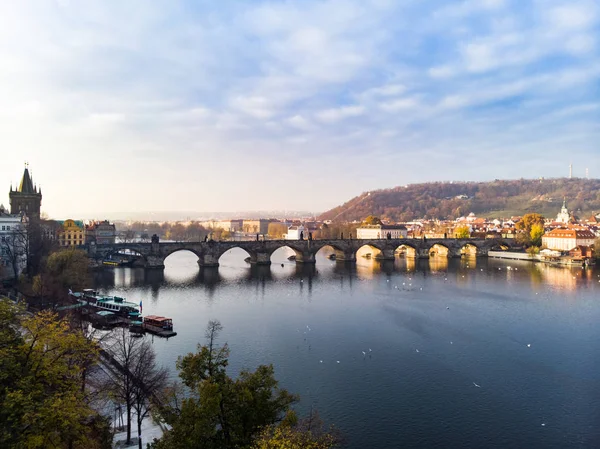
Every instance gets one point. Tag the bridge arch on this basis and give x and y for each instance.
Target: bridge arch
(406, 250)
(297, 254)
(331, 248)
(439, 249)
(166, 255)
(469, 249)
(118, 253)
(500, 245)
(369, 251)
(251, 258)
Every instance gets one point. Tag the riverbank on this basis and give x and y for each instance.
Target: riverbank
(563, 260)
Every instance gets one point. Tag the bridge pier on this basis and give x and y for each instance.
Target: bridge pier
(387, 254)
(155, 262)
(261, 258)
(346, 256)
(208, 260)
(306, 257)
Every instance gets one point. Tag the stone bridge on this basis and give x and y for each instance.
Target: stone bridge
(153, 255)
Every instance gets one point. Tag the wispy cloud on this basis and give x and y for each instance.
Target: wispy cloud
(236, 100)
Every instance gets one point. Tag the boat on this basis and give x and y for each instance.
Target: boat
(114, 304)
(159, 325)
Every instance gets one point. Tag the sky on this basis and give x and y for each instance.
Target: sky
(290, 105)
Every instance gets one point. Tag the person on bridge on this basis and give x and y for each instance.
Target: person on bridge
(342, 236)
(310, 236)
(301, 235)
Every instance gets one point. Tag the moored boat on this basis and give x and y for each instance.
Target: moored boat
(159, 325)
(113, 304)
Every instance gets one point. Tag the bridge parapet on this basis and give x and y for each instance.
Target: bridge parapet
(209, 253)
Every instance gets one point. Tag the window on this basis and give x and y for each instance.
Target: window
(8, 228)
(3, 228)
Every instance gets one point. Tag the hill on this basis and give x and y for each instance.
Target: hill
(494, 199)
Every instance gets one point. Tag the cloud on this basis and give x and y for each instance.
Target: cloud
(213, 87)
(336, 114)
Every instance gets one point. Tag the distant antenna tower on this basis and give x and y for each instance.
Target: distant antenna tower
(570, 171)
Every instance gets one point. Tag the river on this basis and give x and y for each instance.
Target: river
(460, 353)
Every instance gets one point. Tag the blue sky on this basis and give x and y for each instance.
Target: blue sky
(246, 105)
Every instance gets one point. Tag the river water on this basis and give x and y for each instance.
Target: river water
(460, 353)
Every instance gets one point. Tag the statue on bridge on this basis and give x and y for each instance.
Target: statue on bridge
(301, 235)
(155, 238)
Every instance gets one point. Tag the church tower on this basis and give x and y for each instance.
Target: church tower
(563, 216)
(26, 199)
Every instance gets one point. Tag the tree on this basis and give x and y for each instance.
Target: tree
(372, 220)
(138, 379)
(533, 251)
(536, 233)
(308, 433)
(527, 222)
(597, 248)
(462, 232)
(41, 365)
(277, 230)
(218, 411)
(63, 270)
(149, 380)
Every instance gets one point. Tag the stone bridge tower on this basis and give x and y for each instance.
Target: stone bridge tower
(26, 199)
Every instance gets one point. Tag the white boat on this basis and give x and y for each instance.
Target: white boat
(114, 304)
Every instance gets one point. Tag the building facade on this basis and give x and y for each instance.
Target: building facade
(13, 257)
(381, 231)
(100, 232)
(71, 233)
(26, 199)
(567, 239)
(563, 216)
(260, 226)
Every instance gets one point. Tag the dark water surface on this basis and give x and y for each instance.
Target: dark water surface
(431, 330)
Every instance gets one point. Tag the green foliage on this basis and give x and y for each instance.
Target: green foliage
(63, 270)
(462, 232)
(533, 251)
(308, 433)
(218, 411)
(444, 200)
(42, 402)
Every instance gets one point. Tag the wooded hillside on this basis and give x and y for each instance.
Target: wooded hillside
(494, 199)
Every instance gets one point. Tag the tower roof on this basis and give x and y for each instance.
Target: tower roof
(26, 185)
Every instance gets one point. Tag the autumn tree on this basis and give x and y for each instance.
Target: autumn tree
(63, 270)
(215, 410)
(536, 233)
(277, 230)
(372, 220)
(528, 221)
(308, 433)
(42, 403)
(462, 232)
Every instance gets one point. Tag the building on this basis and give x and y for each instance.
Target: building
(567, 239)
(71, 233)
(13, 239)
(381, 231)
(100, 232)
(26, 199)
(260, 226)
(293, 233)
(563, 216)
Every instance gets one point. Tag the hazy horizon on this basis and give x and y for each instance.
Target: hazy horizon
(272, 105)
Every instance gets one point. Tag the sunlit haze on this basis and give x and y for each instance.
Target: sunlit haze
(124, 107)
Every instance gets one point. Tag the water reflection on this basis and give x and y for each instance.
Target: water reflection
(471, 320)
